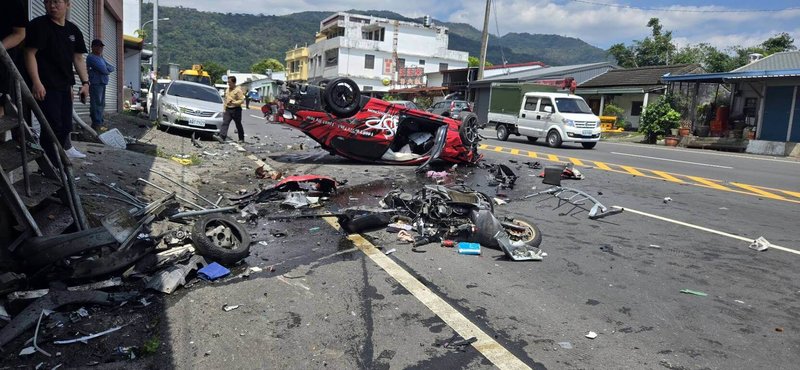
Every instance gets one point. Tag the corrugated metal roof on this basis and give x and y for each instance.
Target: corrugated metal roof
(643, 76)
(775, 62)
(540, 73)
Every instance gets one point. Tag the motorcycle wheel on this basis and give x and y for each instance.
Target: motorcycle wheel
(520, 230)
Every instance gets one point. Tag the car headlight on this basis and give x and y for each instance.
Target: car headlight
(568, 122)
(168, 106)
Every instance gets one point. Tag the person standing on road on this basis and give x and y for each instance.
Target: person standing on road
(99, 70)
(12, 31)
(53, 46)
(234, 97)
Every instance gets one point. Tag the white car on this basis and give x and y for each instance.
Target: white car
(190, 106)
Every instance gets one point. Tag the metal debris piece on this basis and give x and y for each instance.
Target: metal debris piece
(89, 337)
(4, 314)
(565, 345)
(761, 244)
(296, 200)
(390, 251)
(32, 294)
(575, 197)
(229, 308)
(169, 279)
(667, 200)
(591, 335)
(693, 292)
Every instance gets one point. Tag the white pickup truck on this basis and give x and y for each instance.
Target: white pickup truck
(558, 117)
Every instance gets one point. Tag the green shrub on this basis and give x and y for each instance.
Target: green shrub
(616, 111)
(658, 118)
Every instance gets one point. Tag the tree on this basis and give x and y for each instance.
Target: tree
(712, 59)
(653, 50)
(215, 71)
(778, 43)
(264, 65)
(475, 62)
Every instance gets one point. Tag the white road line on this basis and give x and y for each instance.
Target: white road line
(672, 160)
(254, 116)
(486, 345)
(706, 152)
(722, 233)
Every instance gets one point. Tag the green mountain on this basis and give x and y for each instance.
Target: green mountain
(237, 41)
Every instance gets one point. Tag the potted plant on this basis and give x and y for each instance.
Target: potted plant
(658, 118)
(671, 141)
(685, 127)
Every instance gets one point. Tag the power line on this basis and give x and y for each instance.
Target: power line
(622, 6)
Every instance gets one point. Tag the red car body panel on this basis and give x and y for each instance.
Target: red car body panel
(368, 134)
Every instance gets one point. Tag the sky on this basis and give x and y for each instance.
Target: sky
(599, 22)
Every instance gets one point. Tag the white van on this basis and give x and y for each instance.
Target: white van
(558, 117)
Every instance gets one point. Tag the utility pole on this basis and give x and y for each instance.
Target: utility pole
(395, 37)
(484, 40)
(154, 109)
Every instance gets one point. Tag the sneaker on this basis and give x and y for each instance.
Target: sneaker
(219, 138)
(74, 153)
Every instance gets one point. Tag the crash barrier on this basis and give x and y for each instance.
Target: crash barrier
(607, 124)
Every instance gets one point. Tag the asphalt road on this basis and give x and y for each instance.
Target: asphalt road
(332, 303)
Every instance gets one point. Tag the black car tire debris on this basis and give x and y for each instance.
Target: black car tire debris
(213, 247)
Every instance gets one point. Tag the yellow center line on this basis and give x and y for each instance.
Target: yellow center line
(602, 166)
(577, 162)
(486, 345)
(709, 183)
(515, 151)
(483, 146)
(673, 177)
(758, 191)
(632, 171)
(667, 176)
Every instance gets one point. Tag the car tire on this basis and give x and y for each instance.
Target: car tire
(532, 139)
(502, 132)
(211, 246)
(588, 145)
(342, 97)
(468, 130)
(554, 139)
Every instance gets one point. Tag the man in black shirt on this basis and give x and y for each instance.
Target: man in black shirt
(12, 31)
(53, 46)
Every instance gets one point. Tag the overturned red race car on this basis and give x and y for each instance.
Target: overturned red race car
(366, 129)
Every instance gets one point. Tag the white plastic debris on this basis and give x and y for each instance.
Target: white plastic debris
(667, 200)
(390, 251)
(760, 244)
(27, 351)
(229, 308)
(82, 312)
(113, 138)
(591, 335)
(565, 345)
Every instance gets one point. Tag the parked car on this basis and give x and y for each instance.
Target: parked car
(450, 108)
(558, 117)
(152, 90)
(368, 129)
(406, 103)
(190, 106)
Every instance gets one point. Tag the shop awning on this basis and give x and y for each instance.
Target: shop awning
(725, 77)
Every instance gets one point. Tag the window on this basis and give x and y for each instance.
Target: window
(401, 63)
(545, 102)
(422, 62)
(569, 105)
(636, 108)
(443, 66)
(376, 35)
(331, 57)
(369, 61)
(530, 103)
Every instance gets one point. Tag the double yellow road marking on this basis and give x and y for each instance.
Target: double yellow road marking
(733, 187)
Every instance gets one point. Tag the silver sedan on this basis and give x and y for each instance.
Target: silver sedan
(190, 106)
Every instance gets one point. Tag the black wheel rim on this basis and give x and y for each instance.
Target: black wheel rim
(342, 95)
(471, 129)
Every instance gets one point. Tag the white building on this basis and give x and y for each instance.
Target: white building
(361, 47)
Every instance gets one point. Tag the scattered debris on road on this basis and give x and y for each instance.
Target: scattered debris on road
(591, 335)
(761, 244)
(693, 292)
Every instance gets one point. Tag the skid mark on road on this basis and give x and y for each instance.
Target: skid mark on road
(486, 345)
(731, 187)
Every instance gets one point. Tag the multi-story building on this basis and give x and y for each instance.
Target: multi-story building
(297, 64)
(363, 48)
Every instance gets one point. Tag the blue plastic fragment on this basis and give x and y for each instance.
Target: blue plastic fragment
(469, 248)
(213, 271)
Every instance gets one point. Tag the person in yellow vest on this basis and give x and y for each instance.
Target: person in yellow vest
(232, 106)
